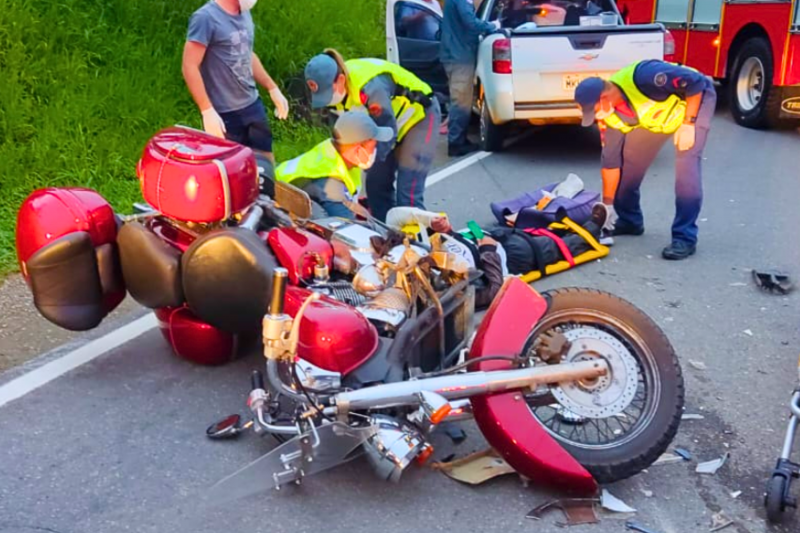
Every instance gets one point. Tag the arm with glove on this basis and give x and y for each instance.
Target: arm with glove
(263, 78)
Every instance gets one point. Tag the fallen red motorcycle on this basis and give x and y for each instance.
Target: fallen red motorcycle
(368, 336)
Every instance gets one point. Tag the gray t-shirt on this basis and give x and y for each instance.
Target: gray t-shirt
(227, 67)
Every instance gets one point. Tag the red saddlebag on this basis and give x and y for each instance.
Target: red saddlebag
(66, 246)
(191, 176)
(194, 340)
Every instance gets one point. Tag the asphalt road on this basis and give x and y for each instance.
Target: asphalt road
(117, 445)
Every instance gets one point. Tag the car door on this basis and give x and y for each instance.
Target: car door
(413, 32)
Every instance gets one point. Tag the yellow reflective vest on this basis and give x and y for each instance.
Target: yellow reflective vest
(407, 113)
(322, 161)
(658, 117)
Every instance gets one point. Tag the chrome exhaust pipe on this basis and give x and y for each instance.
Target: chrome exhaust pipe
(463, 386)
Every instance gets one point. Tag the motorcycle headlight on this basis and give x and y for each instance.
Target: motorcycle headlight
(392, 448)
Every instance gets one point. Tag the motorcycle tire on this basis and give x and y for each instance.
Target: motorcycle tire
(644, 341)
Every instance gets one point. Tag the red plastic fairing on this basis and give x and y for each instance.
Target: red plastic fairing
(295, 249)
(505, 419)
(49, 214)
(333, 335)
(191, 176)
(193, 339)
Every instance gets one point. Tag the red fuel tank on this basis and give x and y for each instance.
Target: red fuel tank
(191, 176)
(296, 250)
(333, 335)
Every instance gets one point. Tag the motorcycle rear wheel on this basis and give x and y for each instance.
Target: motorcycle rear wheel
(612, 443)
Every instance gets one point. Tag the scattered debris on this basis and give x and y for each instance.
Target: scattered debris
(674, 304)
(636, 526)
(454, 431)
(719, 521)
(711, 467)
(647, 493)
(736, 494)
(748, 332)
(737, 284)
(668, 458)
(476, 468)
(612, 503)
(772, 281)
(698, 365)
(686, 454)
(692, 416)
(576, 510)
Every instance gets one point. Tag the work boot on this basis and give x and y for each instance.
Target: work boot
(678, 250)
(623, 228)
(458, 150)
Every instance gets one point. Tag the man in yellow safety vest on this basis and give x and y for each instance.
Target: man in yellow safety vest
(641, 106)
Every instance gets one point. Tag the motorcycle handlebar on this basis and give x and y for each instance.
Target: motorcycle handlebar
(279, 280)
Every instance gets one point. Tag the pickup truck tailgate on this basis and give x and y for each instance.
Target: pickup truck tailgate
(548, 63)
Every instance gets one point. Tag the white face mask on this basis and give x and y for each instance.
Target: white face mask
(370, 162)
(247, 5)
(337, 98)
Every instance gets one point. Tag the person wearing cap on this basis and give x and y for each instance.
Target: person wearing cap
(331, 171)
(394, 98)
(221, 71)
(641, 106)
(461, 32)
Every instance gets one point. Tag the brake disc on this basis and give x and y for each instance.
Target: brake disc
(604, 396)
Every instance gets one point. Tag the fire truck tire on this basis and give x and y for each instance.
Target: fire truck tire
(754, 101)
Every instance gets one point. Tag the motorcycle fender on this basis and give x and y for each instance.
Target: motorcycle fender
(505, 419)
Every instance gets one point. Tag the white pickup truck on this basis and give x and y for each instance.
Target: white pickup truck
(528, 70)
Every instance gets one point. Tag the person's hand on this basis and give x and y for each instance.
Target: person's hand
(497, 24)
(611, 218)
(441, 225)
(213, 123)
(684, 137)
(281, 103)
(487, 241)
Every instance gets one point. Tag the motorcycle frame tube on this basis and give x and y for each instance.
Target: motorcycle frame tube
(506, 420)
(788, 441)
(460, 386)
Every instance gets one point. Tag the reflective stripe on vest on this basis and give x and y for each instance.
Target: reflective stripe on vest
(361, 71)
(322, 161)
(658, 117)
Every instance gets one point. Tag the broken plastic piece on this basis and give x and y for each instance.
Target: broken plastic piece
(736, 494)
(711, 467)
(699, 365)
(576, 510)
(772, 281)
(612, 503)
(719, 521)
(636, 526)
(686, 454)
(690, 416)
(668, 458)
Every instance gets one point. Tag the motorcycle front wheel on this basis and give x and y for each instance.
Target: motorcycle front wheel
(619, 424)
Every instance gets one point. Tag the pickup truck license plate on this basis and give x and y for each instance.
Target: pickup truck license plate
(570, 81)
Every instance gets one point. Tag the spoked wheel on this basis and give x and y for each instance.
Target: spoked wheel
(618, 424)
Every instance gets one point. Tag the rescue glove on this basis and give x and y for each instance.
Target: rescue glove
(213, 123)
(684, 137)
(281, 103)
(611, 218)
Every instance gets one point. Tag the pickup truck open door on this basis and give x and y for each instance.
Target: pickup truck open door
(413, 32)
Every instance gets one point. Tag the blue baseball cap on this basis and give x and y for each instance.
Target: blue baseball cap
(587, 94)
(321, 73)
(355, 127)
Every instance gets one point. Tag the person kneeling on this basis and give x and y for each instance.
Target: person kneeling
(331, 171)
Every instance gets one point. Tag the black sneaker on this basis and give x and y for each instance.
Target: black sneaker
(458, 150)
(678, 250)
(625, 229)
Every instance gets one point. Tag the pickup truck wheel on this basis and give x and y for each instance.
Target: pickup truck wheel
(492, 135)
(755, 102)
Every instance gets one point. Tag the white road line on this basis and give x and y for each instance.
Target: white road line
(46, 373)
(34, 379)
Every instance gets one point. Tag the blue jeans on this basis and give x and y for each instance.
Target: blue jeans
(249, 126)
(640, 149)
(461, 79)
(408, 164)
(330, 193)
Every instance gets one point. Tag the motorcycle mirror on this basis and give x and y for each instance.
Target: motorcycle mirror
(227, 428)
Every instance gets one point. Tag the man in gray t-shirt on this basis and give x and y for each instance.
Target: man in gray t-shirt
(221, 71)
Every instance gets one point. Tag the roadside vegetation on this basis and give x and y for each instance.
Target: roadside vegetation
(85, 83)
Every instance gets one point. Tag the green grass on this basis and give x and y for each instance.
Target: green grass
(85, 83)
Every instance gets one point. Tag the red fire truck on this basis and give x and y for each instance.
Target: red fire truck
(751, 46)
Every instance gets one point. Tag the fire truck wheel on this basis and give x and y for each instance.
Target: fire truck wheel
(755, 102)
